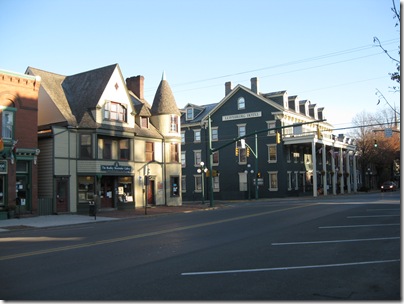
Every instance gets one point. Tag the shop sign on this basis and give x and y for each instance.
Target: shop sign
(242, 116)
(3, 167)
(116, 168)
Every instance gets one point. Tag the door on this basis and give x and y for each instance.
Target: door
(150, 193)
(62, 199)
(23, 193)
(107, 192)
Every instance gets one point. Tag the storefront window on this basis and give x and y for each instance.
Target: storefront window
(86, 189)
(125, 189)
(175, 187)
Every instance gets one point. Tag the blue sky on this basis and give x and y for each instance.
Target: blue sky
(319, 50)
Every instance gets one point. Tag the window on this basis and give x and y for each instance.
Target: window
(184, 183)
(183, 137)
(216, 184)
(189, 114)
(124, 149)
(289, 180)
(174, 153)
(215, 134)
(215, 158)
(86, 146)
(7, 124)
(197, 157)
(174, 123)
(3, 198)
(273, 181)
(272, 157)
(183, 159)
(271, 125)
(242, 155)
(114, 111)
(149, 151)
(241, 130)
(175, 186)
(198, 183)
(288, 154)
(113, 148)
(241, 103)
(197, 135)
(144, 122)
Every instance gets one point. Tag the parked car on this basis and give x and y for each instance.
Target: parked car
(388, 186)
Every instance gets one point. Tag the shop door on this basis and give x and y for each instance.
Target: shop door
(62, 199)
(150, 193)
(23, 194)
(107, 192)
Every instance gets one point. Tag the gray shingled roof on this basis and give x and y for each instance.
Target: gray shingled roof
(84, 90)
(164, 102)
(52, 84)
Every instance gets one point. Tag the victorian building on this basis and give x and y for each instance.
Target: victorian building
(103, 142)
(18, 143)
(265, 145)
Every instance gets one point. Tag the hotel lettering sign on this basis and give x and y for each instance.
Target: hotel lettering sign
(116, 167)
(242, 116)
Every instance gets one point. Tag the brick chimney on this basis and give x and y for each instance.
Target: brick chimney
(136, 85)
(228, 88)
(255, 85)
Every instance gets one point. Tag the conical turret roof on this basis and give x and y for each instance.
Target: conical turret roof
(164, 102)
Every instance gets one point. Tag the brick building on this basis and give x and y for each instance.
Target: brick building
(19, 142)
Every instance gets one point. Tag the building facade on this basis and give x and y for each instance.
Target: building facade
(103, 142)
(265, 145)
(18, 143)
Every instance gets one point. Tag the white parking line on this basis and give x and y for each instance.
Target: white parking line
(287, 268)
(337, 241)
(364, 216)
(358, 226)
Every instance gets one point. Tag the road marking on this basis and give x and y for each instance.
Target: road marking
(365, 216)
(337, 241)
(147, 234)
(358, 226)
(288, 268)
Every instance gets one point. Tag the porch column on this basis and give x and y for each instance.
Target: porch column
(341, 170)
(355, 178)
(348, 171)
(334, 176)
(314, 161)
(324, 160)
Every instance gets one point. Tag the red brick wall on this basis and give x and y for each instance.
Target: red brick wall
(21, 92)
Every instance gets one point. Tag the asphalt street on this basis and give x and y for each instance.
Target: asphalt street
(339, 248)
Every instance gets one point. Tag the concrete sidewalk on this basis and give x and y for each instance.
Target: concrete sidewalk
(29, 221)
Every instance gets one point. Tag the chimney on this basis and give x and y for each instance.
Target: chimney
(228, 88)
(254, 85)
(136, 84)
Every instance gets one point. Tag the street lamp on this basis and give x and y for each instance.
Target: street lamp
(248, 180)
(202, 170)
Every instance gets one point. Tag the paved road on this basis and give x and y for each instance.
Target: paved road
(342, 248)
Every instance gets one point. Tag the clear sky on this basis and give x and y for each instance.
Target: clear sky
(319, 50)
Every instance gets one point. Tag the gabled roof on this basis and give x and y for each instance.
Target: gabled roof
(52, 84)
(84, 90)
(164, 102)
(204, 111)
(142, 107)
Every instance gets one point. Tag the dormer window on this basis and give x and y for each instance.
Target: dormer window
(144, 122)
(189, 114)
(115, 111)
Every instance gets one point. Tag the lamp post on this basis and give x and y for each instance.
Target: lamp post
(248, 179)
(202, 170)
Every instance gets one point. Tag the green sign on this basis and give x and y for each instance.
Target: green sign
(116, 168)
